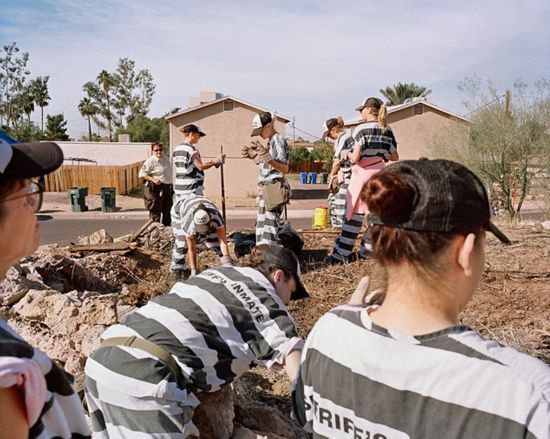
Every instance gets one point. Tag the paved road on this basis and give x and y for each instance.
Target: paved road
(64, 231)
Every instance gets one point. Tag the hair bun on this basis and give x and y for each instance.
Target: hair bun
(388, 196)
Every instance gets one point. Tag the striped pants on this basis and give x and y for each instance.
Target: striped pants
(180, 243)
(345, 242)
(337, 205)
(268, 224)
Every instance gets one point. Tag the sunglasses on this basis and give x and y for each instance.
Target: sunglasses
(34, 194)
(157, 150)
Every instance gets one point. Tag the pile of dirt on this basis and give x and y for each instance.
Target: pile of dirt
(61, 301)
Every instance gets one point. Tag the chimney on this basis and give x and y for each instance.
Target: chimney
(204, 97)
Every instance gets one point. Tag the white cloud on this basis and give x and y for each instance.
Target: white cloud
(311, 59)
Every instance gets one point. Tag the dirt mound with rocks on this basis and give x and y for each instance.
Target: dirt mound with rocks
(61, 301)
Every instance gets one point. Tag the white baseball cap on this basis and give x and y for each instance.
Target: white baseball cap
(201, 218)
(259, 121)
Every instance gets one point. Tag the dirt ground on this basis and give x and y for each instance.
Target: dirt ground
(511, 306)
(94, 290)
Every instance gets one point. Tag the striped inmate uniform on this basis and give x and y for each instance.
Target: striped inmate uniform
(183, 226)
(359, 380)
(268, 222)
(337, 201)
(189, 179)
(215, 325)
(62, 415)
(373, 142)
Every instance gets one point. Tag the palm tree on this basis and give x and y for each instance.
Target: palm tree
(105, 80)
(26, 101)
(88, 110)
(400, 92)
(39, 87)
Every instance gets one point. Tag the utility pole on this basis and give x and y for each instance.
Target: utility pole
(507, 102)
(293, 132)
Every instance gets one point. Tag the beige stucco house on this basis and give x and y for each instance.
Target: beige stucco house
(414, 124)
(226, 121)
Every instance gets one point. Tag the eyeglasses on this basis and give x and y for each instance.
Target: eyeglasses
(34, 193)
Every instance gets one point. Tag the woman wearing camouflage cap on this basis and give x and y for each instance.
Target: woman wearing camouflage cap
(403, 365)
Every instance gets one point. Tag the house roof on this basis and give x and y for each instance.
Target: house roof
(225, 98)
(395, 108)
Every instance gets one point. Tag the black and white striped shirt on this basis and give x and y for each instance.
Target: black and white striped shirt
(215, 325)
(373, 141)
(344, 142)
(359, 380)
(278, 148)
(187, 207)
(189, 179)
(62, 415)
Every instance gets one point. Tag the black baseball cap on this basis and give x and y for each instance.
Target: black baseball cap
(192, 128)
(370, 103)
(27, 160)
(328, 125)
(448, 198)
(285, 259)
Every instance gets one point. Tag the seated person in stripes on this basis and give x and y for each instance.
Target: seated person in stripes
(196, 220)
(405, 367)
(144, 379)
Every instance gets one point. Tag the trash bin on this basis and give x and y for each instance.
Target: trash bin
(77, 197)
(313, 177)
(324, 177)
(108, 199)
(303, 177)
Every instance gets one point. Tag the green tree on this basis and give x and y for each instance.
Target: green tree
(504, 145)
(39, 90)
(26, 132)
(56, 127)
(106, 81)
(300, 155)
(143, 129)
(13, 74)
(87, 109)
(132, 91)
(398, 93)
(26, 101)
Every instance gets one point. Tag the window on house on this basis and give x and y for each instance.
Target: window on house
(228, 106)
(418, 110)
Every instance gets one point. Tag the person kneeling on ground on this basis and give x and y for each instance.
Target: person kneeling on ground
(407, 368)
(196, 220)
(206, 332)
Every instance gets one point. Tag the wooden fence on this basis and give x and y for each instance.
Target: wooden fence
(122, 178)
(320, 166)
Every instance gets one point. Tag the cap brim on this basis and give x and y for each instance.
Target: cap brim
(496, 231)
(202, 134)
(33, 160)
(256, 132)
(360, 108)
(300, 292)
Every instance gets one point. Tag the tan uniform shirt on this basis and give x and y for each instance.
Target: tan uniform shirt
(161, 169)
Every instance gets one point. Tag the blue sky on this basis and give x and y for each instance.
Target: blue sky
(308, 59)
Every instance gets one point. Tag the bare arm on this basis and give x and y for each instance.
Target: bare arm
(335, 167)
(355, 153)
(192, 246)
(281, 167)
(200, 164)
(292, 364)
(13, 416)
(222, 237)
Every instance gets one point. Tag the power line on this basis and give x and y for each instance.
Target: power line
(498, 98)
(307, 134)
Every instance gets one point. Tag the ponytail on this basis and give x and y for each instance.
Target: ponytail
(340, 122)
(382, 118)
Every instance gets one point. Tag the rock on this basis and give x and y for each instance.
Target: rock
(16, 285)
(99, 310)
(214, 416)
(99, 237)
(91, 339)
(75, 364)
(51, 308)
(546, 225)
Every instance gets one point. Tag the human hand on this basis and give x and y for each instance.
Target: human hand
(344, 154)
(248, 152)
(155, 181)
(263, 158)
(360, 296)
(218, 161)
